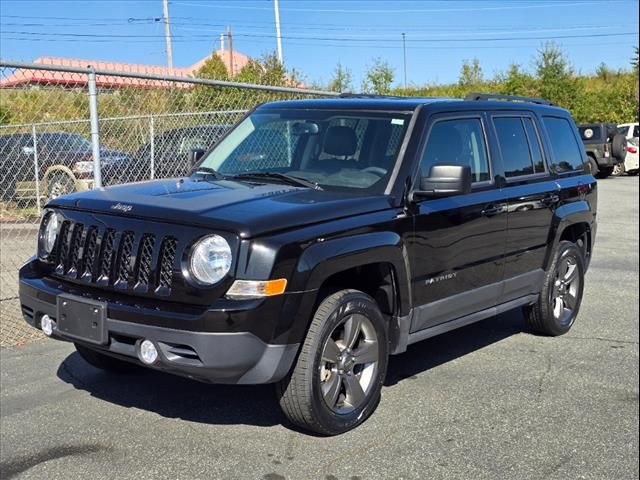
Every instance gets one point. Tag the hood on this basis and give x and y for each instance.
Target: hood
(245, 209)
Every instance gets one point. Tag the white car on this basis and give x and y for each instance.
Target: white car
(629, 130)
(631, 160)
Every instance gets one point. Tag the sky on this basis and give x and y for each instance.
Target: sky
(317, 34)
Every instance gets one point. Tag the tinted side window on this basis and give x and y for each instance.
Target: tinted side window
(566, 151)
(635, 131)
(457, 142)
(514, 146)
(534, 145)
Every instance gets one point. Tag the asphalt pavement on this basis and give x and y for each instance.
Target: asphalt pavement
(489, 401)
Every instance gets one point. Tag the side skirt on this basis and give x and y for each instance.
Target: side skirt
(469, 319)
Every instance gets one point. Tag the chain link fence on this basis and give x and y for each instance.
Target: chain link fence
(64, 130)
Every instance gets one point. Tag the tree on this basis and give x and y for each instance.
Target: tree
(5, 115)
(516, 82)
(213, 69)
(556, 77)
(378, 78)
(470, 73)
(341, 79)
(273, 72)
(634, 61)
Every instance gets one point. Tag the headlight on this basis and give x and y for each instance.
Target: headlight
(83, 167)
(50, 230)
(210, 259)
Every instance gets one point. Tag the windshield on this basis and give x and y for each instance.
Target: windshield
(337, 150)
(66, 142)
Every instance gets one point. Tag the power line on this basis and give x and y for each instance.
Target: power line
(388, 11)
(331, 39)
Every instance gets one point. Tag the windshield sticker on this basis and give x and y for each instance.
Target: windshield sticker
(397, 121)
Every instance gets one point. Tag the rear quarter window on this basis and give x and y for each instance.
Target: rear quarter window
(567, 153)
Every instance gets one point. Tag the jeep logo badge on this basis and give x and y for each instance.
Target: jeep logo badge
(122, 207)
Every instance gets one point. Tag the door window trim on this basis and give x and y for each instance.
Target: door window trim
(520, 116)
(446, 118)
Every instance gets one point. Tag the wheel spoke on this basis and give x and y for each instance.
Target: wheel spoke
(569, 301)
(331, 352)
(355, 394)
(571, 273)
(367, 352)
(331, 389)
(352, 330)
(563, 267)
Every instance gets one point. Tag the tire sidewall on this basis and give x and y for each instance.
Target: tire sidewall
(565, 249)
(353, 302)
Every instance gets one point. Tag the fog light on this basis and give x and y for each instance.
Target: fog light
(47, 324)
(148, 353)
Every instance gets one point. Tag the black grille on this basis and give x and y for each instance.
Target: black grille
(145, 256)
(63, 253)
(90, 253)
(124, 260)
(76, 250)
(124, 265)
(107, 255)
(168, 255)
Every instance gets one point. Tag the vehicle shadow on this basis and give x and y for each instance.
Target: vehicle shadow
(176, 397)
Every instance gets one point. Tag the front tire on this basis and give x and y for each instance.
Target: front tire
(336, 382)
(557, 307)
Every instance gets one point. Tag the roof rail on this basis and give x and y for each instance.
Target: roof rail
(474, 96)
(366, 95)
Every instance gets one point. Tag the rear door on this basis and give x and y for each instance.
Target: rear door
(457, 250)
(532, 196)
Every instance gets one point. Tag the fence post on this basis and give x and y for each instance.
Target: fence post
(95, 135)
(36, 167)
(152, 146)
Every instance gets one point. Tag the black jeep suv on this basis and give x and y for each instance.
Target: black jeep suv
(606, 147)
(317, 238)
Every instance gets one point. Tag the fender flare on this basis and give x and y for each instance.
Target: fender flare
(565, 216)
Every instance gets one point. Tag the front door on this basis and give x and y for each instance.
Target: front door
(457, 251)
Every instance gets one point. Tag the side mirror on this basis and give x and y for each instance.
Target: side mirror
(196, 155)
(445, 180)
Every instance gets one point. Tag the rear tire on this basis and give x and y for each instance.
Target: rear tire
(604, 172)
(104, 362)
(559, 302)
(593, 166)
(337, 378)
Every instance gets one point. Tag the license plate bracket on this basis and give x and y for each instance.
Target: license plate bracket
(82, 319)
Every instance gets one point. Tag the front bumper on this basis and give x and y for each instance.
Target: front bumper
(217, 357)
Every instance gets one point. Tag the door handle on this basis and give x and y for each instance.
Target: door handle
(551, 199)
(492, 210)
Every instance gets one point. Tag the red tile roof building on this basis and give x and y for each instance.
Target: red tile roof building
(21, 76)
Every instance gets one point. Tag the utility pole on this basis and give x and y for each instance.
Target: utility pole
(404, 54)
(231, 65)
(167, 35)
(278, 37)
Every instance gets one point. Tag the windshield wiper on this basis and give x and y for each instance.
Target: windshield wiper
(207, 171)
(283, 177)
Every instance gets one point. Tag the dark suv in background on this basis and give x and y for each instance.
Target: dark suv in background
(606, 147)
(65, 164)
(170, 153)
(317, 238)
